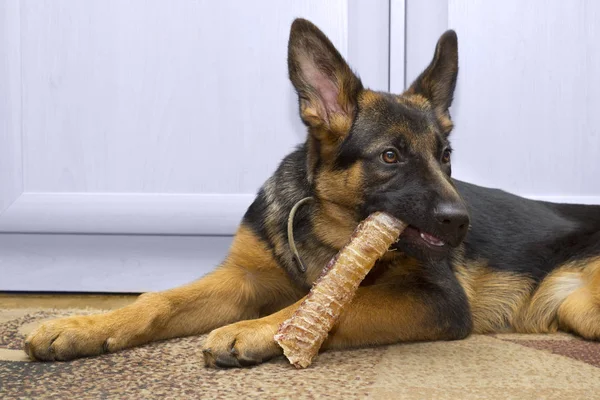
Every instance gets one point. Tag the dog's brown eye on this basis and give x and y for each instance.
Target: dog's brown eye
(446, 156)
(389, 156)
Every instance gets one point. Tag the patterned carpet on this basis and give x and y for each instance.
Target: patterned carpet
(492, 367)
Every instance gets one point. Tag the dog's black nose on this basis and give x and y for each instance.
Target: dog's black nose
(453, 221)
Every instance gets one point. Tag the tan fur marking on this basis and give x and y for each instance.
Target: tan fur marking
(342, 187)
(580, 310)
(381, 314)
(345, 80)
(268, 284)
(335, 217)
(340, 124)
(567, 299)
(415, 100)
(421, 102)
(328, 143)
(368, 98)
(334, 224)
(496, 298)
(540, 314)
(445, 122)
(311, 113)
(394, 266)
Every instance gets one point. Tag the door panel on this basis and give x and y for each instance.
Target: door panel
(151, 118)
(158, 97)
(154, 98)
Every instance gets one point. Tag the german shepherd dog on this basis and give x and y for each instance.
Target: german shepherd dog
(472, 260)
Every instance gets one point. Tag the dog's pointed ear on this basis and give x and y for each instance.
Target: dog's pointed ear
(438, 81)
(326, 86)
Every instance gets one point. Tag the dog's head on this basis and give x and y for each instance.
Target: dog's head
(371, 151)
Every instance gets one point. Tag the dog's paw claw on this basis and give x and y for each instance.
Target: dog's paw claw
(66, 339)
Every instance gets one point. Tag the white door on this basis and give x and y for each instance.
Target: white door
(528, 94)
(135, 133)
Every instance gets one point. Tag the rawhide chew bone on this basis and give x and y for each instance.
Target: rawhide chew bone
(302, 335)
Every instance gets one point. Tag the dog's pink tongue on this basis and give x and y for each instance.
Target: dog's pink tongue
(432, 240)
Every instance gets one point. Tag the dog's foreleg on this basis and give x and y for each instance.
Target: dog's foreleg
(379, 314)
(247, 283)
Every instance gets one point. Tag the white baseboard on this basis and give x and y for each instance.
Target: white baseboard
(105, 263)
(98, 213)
(154, 214)
(568, 199)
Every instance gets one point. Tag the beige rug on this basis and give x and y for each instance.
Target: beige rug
(490, 367)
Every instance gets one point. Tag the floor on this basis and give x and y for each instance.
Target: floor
(501, 366)
(63, 300)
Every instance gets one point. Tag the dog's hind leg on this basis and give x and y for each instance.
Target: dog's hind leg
(580, 311)
(568, 299)
(248, 283)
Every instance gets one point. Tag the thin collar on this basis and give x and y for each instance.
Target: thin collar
(290, 232)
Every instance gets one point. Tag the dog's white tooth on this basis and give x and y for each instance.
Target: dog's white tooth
(432, 240)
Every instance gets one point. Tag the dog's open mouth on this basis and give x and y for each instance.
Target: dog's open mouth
(432, 240)
(417, 236)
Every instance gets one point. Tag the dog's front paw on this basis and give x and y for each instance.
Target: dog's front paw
(68, 338)
(242, 344)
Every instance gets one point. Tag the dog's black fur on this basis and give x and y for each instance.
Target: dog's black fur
(527, 236)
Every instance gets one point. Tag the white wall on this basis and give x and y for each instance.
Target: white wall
(527, 101)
